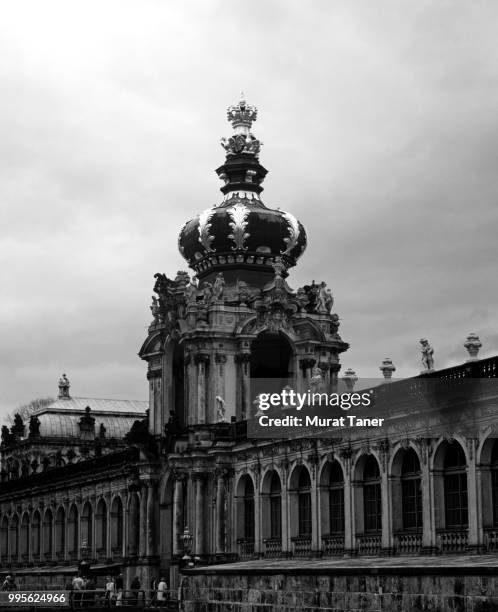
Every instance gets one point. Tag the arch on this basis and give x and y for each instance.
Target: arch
(72, 532)
(4, 538)
(174, 390)
(14, 538)
(332, 498)
(245, 510)
(86, 527)
(47, 535)
(101, 528)
(272, 359)
(167, 526)
(300, 502)
(450, 486)
(60, 533)
(406, 479)
(271, 491)
(36, 535)
(117, 527)
(133, 523)
(24, 537)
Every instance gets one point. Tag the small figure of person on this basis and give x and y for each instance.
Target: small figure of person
(110, 592)
(162, 593)
(135, 590)
(78, 586)
(118, 583)
(9, 584)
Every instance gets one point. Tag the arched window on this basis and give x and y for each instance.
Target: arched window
(72, 532)
(36, 535)
(304, 503)
(117, 527)
(494, 481)
(86, 530)
(24, 542)
(48, 534)
(275, 507)
(372, 499)
(60, 533)
(101, 527)
(336, 499)
(133, 524)
(248, 510)
(4, 539)
(14, 537)
(411, 491)
(455, 487)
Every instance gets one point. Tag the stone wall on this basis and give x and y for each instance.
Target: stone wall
(353, 593)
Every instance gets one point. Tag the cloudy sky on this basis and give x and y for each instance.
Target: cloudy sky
(379, 122)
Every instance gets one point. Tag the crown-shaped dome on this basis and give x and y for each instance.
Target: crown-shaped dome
(241, 232)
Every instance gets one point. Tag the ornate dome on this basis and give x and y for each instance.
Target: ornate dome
(241, 232)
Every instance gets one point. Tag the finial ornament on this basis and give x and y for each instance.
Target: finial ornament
(242, 116)
(350, 378)
(427, 356)
(64, 385)
(473, 344)
(387, 368)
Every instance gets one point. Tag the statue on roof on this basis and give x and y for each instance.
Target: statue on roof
(218, 286)
(427, 355)
(34, 426)
(6, 436)
(64, 385)
(17, 430)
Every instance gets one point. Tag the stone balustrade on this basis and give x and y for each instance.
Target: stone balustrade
(452, 541)
(332, 545)
(301, 546)
(369, 544)
(408, 543)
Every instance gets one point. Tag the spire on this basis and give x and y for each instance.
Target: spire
(242, 170)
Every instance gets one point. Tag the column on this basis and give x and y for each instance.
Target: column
(151, 501)
(200, 525)
(428, 525)
(177, 513)
(243, 360)
(474, 510)
(142, 541)
(306, 366)
(220, 513)
(108, 531)
(201, 359)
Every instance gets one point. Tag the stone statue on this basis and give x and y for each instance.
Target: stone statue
(324, 299)
(34, 426)
(243, 292)
(220, 410)
(102, 431)
(64, 387)
(427, 355)
(316, 380)
(156, 310)
(208, 292)
(190, 293)
(219, 285)
(17, 430)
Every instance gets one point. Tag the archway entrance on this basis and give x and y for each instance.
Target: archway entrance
(271, 360)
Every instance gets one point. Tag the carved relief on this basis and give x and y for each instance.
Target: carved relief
(238, 214)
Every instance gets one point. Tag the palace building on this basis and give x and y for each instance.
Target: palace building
(148, 489)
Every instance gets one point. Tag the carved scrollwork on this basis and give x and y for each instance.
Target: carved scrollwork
(205, 238)
(293, 228)
(238, 215)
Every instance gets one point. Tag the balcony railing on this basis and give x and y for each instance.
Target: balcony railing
(452, 541)
(369, 544)
(246, 548)
(491, 539)
(408, 543)
(273, 547)
(332, 545)
(301, 546)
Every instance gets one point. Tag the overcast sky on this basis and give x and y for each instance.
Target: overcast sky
(379, 122)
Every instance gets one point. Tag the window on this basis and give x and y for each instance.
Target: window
(494, 481)
(304, 503)
(455, 487)
(372, 499)
(411, 492)
(275, 507)
(336, 499)
(248, 510)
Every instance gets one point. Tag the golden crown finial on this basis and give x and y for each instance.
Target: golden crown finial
(242, 114)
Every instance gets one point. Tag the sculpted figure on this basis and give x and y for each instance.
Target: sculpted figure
(427, 355)
(34, 426)
(219, 285)
(191, 293)
(155, 310)
(220, 410)
(208, 292)
(242, 291)
(321, 298)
